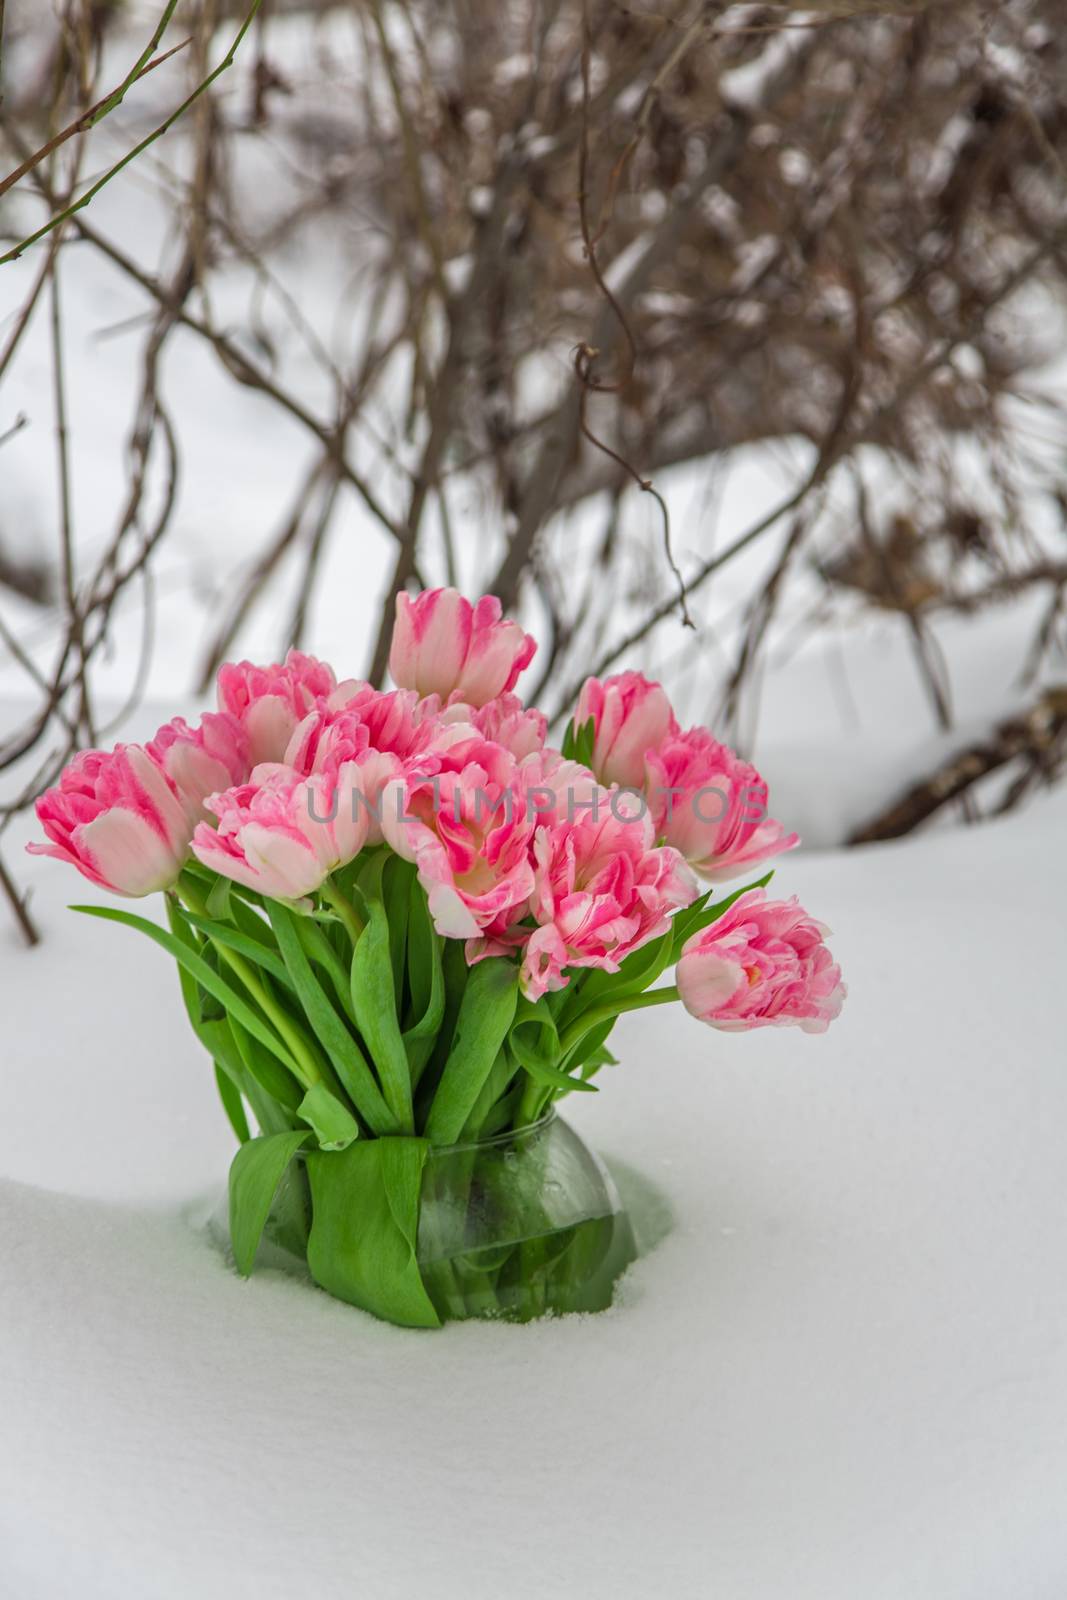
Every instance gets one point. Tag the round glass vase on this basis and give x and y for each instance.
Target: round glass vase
(521, 1225)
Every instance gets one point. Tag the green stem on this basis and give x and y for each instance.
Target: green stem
(96, 113)
(592, 1019)
(532, 1104)
(77, 205)
(319, 950)
(99, 112)
(347, 912)
(289, 1031)
(535, 1097)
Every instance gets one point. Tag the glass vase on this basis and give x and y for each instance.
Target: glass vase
(522, 1225)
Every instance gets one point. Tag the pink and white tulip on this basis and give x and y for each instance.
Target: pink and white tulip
(119, 819)
(468, 832)
(601, 890)
(283, 834)
(203, 760)
(445, 646)
(631, 717)
(393, 736)
(712, 806)
(764, 963)
(504, 720)
(561, 790)
(377, 768)
(392, 722)
(269, 702)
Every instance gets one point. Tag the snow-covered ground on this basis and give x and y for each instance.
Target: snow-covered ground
(844, 1371)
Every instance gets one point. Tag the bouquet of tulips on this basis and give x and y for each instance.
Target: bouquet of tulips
(404, 922)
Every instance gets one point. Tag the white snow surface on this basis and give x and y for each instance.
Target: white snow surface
(843, 1373)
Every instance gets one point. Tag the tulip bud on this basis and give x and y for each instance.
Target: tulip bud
(443, 645)
(763, 963)
(119, 819)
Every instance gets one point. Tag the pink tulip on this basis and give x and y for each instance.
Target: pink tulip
(520, 730)
(322, 745)
(468, 832)
(631, 716)
(347, 691)
(504, 720)
(762, 964)
(325, 738)
(119, 819)
(203, 760)
(445, 646)
(391, 735)
(370, 720)
(269, 702)
(283, 834)
(712, 806)
(560, 790)
(601, 890)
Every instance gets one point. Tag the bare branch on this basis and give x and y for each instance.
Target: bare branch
(157, 133)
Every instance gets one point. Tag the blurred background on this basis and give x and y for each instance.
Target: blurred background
(725, 341)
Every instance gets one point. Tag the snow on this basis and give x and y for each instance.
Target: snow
(878, 731)
(843, 1372)
(745, 87)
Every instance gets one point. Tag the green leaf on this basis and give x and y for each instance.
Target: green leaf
(426, 981)
(319, 950)
(334, 1125)
(246, 916)
(590, 1047)
(535, 1042)
(273, 1114)
(199, 969)
(374, 1000)
(485, 1015)
(238, 903)
(267, 1087)
(255, 1173)
(578, 742)
(199, 873)
(364, 1228)
(396, 878)
(221, 933)
(455, 973)
(216, 1036)
(684, 921)
(600, 1057)
(261, 1065)
(498, 1090)
(636, 973)
(534, 1034)
(191, 992)
(218, 900)
(501, 1114)
(553, 1078)
(232, 1104)
(343, 1051)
